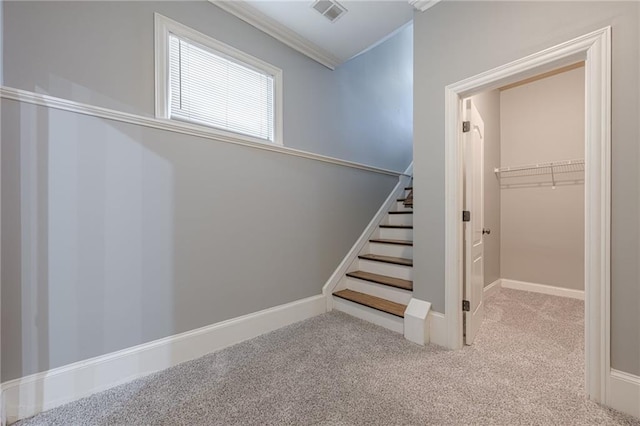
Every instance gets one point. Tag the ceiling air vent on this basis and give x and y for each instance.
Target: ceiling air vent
(330, 9)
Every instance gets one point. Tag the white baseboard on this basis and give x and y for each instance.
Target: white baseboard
(624, 392)
(542, 288)
(27, 396)
(3, 414)
(492, 289)
(437, 329)
(352, 256)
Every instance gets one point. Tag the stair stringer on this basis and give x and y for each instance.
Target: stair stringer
(380, 318)
(350, 262)
(414, 323)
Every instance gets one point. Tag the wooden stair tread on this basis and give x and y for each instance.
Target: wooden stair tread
(382, 279)
(408, 188)
(397, 226)
(401, 200)
(374, 302)
(402, 212)
(387, 241)
(387, 259)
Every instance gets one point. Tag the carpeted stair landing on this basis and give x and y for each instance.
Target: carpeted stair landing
(526, 367)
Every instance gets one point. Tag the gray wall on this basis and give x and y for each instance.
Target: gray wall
(488, 105)
(101, 53)
(1, 82)
(115, 234)
(375, 103)
(1, 42)
(457, 40)
(542, 235)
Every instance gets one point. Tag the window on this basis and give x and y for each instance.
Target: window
(202, 81)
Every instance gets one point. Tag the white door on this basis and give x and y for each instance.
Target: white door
(473, 202)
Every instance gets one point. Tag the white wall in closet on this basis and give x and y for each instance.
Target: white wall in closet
(542, 228)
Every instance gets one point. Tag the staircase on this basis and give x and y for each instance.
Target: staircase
(379, 283)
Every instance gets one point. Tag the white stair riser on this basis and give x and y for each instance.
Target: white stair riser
(400, 207)
(388, 269)
(394, 250)
(400, 219)
(396, 234)
(384, 291)
(374, 316)
(342, 284)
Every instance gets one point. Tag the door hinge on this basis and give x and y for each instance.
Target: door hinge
(466, 306)
(466, 126)
(466, 216)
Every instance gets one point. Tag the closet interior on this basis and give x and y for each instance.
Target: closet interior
(533, 177)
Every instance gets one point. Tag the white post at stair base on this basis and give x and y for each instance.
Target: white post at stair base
(416, 321)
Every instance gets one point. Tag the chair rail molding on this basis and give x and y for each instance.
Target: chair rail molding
(176, 127)
(423, 5)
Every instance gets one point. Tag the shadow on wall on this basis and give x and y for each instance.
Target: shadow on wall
(25, 272)
(117, 235)
(112, 209)
(88, 240)
(73, 252)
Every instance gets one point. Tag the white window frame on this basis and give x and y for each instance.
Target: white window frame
(165, 26)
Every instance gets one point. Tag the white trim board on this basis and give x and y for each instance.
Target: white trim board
(542, 288)
(27, 396)
(173, 126)
(624, 392)
(423, 5)
(595, 49)
(264, 23)
(417, 327)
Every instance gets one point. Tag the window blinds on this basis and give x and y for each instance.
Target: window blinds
(212, 90)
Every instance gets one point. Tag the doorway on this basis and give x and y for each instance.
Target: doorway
(595, 50)
(524, 190)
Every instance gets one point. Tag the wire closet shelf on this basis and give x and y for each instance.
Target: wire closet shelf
(550, 168)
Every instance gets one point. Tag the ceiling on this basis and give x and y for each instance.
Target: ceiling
(365, 24)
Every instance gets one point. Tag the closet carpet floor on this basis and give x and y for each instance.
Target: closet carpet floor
(526, 367)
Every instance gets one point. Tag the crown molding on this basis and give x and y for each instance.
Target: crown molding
(270, 26)
(423, 5)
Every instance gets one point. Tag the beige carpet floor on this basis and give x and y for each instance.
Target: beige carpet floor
(525, 368)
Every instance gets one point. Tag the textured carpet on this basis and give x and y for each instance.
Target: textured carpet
(526, 367)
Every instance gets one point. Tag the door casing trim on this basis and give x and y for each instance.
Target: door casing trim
(595, 50)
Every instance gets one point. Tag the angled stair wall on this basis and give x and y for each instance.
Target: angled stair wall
(377, 284)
